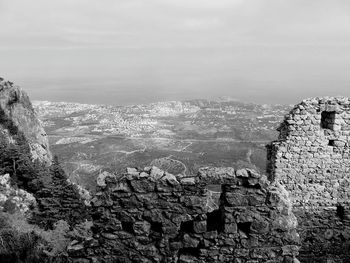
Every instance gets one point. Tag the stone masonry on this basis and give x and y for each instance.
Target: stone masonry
(153, 216)
(311, 159)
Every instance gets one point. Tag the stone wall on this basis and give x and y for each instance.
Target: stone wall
(311, 160)
(153, 216)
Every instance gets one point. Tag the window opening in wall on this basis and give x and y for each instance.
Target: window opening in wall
(340, 212)
(327, 119)
(187, 227)
(214, 193)
(214, 221)
(156, 227)
(244, 227)
(156, 230)
(127, 227)
(189, 251)
(342, 238)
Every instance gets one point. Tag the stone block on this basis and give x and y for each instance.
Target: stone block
(200, 226)
(190, 242)
(188, 181)
(142, 186)
(230, 228)
(243, 173)
(142, 228)
(156, 173)
(121, 187)
(236, 199)
(241, 253)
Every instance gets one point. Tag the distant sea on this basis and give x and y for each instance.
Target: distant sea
(117, 93)
(260, 74)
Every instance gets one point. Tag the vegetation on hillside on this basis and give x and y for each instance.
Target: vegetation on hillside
(21, 242)
(55, 195)
(44, 233)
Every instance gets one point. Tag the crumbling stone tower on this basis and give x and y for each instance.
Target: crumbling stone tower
(312, 160)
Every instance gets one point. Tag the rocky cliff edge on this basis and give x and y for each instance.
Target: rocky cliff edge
(18, 116)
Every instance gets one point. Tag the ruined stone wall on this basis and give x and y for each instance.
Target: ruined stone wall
(311, 160)
(153, 216)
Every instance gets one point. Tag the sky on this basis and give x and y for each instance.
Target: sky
(139, 51)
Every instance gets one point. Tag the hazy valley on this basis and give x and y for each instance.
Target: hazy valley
(173, 181)
(179, 137)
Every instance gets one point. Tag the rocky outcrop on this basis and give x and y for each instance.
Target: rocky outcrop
(23, 140)
(14, 200)
(311, 160)
(153, 216)
(18, 116)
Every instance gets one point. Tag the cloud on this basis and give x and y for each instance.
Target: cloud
(202, 23)
(186, 44)
(125, 23)
(203, 4)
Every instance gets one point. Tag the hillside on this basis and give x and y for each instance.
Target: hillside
(44, 219)
(36, 197)
(298, 208)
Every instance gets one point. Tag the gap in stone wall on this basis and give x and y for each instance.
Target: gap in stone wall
(187, 227)
(156, 227)
(189, 251)
(340, 211)
(244, 227)
(128, 227)
(214, 221)
(331, 143)
(327, 119)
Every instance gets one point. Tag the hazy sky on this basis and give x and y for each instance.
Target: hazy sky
(135, 51)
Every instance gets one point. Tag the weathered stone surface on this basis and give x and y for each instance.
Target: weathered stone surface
(165, 218)
(188, 181)
(170, 178)
(200, 226)
(254, 220)
(101, 178)
(75, 249)
(156, 173)
(216, 174)
(132, 171)
(142, 228)
(243, 173)
(311, 160)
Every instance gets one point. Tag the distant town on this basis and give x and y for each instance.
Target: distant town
(178, 136)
